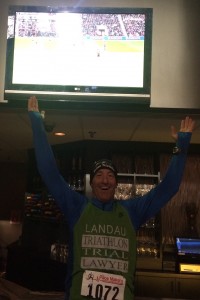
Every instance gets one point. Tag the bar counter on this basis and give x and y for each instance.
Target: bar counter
(12, 291)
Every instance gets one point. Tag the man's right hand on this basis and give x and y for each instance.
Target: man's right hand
(33, 104)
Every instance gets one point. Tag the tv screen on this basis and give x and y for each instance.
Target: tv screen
(93, 54)
(188, 246)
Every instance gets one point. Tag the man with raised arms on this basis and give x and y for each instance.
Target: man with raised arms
(102, 230)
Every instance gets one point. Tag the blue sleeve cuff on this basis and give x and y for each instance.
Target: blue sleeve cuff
(183, 141)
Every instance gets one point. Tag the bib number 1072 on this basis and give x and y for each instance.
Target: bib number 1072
(99, 286)
(103, 292)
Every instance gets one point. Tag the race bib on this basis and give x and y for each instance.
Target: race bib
(103, 286)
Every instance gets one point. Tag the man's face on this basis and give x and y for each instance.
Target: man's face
(103, 185)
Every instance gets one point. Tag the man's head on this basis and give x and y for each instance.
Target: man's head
(103, 180)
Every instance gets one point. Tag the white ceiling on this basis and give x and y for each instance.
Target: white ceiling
(16, 135)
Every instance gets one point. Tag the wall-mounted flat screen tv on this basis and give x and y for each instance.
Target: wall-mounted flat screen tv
(188, 246)
(78, 54)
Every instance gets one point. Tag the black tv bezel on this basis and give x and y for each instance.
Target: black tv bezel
(16, 92)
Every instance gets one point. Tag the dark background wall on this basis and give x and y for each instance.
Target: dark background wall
(12, 187)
